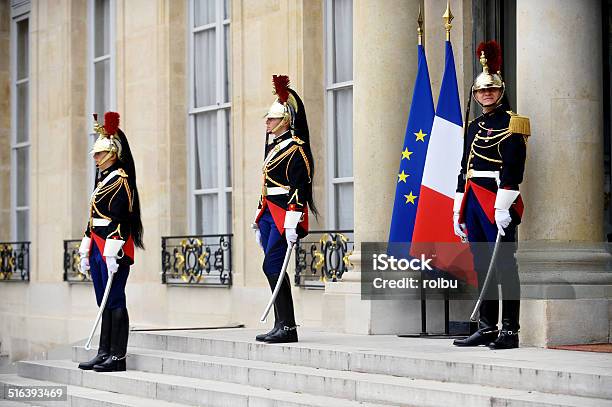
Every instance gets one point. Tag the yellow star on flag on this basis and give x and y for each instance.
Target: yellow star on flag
(402, 176)
(420, 136)
(410, 198)
(406, 154)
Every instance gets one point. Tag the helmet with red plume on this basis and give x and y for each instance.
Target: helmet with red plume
(289, 107)
(490, 56)
(113, 140)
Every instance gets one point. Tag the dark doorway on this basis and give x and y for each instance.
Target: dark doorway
(496, 20)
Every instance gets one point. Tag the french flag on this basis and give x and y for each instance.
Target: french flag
(434, 217)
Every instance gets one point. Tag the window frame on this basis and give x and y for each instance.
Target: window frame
(223, 111)
(15, 146)
(330, 109)
(91, 83)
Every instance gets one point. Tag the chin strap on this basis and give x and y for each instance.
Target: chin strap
(279, 125)
(107, 157)
(497, 102)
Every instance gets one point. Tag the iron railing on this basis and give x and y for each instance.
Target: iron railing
(323, 256)
(72, 263)
(197, 260)
(14, 261)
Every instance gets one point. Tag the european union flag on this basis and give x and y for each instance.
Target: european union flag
(412, 155)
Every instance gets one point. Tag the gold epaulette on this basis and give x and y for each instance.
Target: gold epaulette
(122, 173)
(297, 140)
(519, 124)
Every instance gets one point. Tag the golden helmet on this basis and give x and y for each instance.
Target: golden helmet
(285, 106)
(107, 134)
(490, 56)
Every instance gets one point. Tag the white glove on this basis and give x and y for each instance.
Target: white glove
(502, 218)
(111, 264)
(503, 201)
(258, 238)
(459, 227)
(291, 235)
(84, 254)
(84, 267)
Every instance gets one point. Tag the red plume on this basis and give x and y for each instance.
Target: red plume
(493, 53)
(111, 122)
(281, 86)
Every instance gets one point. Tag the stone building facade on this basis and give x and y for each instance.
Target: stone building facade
(192, 79)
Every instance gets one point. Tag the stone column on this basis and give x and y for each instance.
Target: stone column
(5, 123)
(385, 62)
(563, 186)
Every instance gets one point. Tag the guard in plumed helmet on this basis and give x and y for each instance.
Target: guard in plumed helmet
(113, 230)
(282, 214)
(488, 202)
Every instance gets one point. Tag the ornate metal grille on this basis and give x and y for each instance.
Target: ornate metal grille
(72, 263)
(203, 260)
(14, 261)
(323, 256)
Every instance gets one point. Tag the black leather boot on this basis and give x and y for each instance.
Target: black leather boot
(483, 336)
(119, 339)
(261, 337)
(105, 340)
(287, 330)
(285, 334)
(508, 337)
(506, 340)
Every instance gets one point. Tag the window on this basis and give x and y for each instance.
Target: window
(101, 66)
(339, 110)
(20, 128)
(210, 191)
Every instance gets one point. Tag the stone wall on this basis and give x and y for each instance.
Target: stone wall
(271, 37)
(5, 121)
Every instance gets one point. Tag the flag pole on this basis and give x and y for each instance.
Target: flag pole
(448, 17)
(423, 294)
(420, 30)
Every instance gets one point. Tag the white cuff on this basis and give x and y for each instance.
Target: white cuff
(292, 218)
(458, 201)
(112, 247)
(84, 247)
(505, 198)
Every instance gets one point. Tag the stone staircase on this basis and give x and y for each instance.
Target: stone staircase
(228, 368)
(4, 359)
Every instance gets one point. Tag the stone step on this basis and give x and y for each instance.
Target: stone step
(179, 389)
(80, 396)
(526, 369)
(363, 389)
(6, 403)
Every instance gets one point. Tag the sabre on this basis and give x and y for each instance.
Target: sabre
(487, 278)
(278, 283)
(102, 306)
